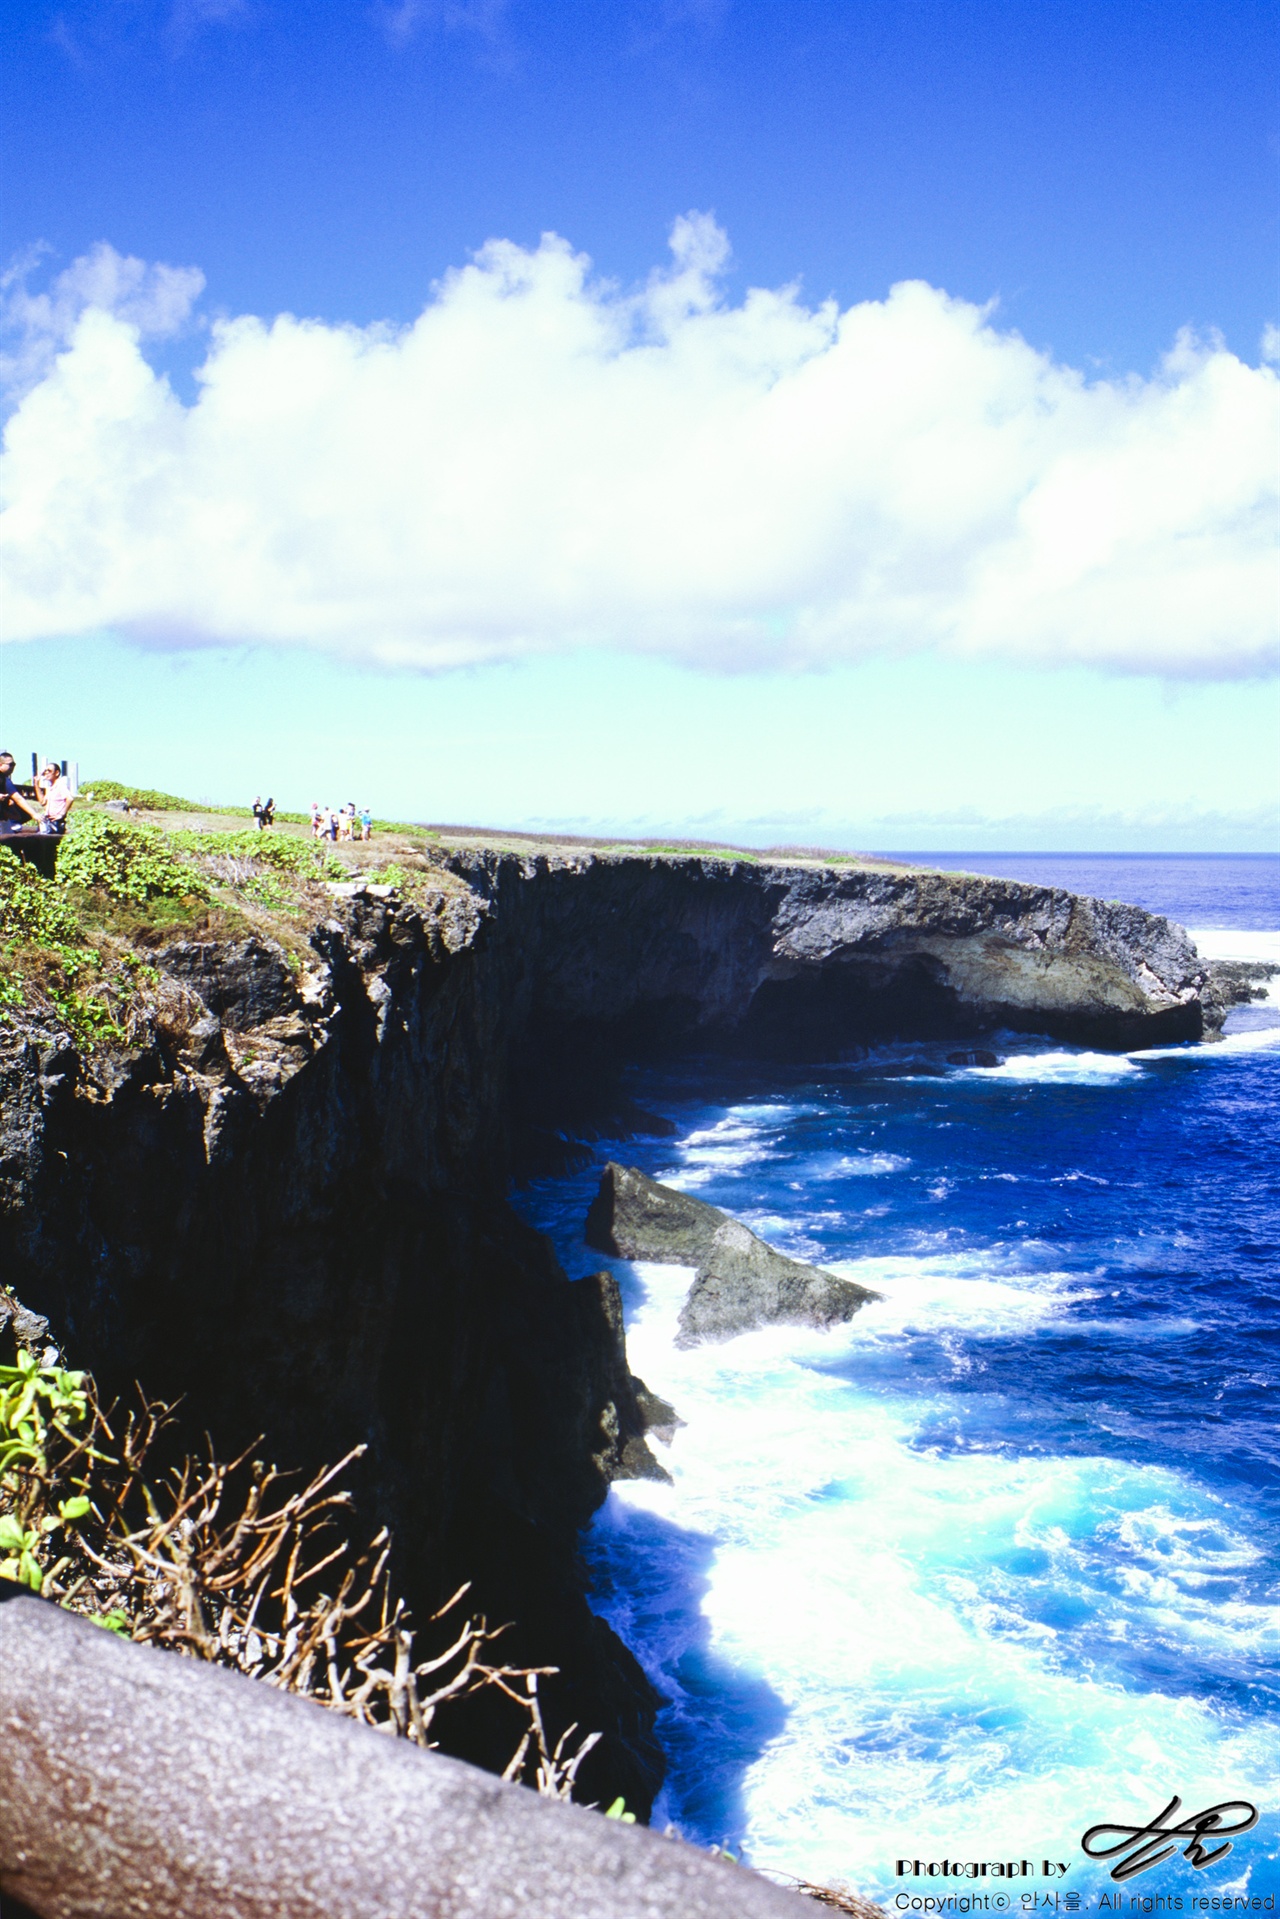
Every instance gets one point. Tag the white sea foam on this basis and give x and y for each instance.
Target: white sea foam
(1230, 943)
(1060, 1067)
(853, 1165)
(883, 1632)
(865, 1634)
(1264, 1039)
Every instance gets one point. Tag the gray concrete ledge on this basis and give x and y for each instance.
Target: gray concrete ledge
(135, 1784)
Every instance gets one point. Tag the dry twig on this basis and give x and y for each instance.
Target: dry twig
(235, 1563)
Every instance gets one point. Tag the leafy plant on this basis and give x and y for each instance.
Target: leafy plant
(40, 1407)
(127, 862)
(143, 796)
(282, 852)
(32, 908)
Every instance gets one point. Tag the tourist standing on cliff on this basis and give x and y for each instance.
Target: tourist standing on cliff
(366, 823)
(58, 799)
(11, 795)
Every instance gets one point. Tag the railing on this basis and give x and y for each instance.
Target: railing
(136, 1783)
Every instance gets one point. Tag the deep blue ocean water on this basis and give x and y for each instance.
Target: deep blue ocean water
(998, 1560)
(1240, 890)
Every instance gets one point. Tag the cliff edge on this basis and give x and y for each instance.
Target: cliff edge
(279, 1189)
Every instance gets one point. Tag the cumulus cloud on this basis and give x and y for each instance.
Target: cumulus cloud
(544, 462)
(155, 302)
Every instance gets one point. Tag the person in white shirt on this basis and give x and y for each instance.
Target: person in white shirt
(58, 799)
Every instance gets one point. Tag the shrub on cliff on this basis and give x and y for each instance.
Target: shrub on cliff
(307, 859)
(32, 909)
(233, 1564)
(143, 796)
(126, 862)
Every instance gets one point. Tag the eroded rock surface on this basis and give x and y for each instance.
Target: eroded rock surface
(635, 1217)
(285, 1200)
(740, 1281)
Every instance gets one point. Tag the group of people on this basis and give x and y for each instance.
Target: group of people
(264, 812)
(53, 800)
(343, 824)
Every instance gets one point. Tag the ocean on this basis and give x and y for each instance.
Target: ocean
(997, 1561)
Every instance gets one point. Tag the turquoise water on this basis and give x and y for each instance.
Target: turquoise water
(998, 1560)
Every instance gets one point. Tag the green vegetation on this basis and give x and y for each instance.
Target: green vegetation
(39, 1405)
(146, 797)
(688, 852)
(308, 859)
(127, 862)
(69, 944)
(34, 909)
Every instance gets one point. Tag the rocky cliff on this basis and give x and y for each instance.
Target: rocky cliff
(285, 1201)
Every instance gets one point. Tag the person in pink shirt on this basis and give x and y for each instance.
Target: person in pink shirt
(58, 799)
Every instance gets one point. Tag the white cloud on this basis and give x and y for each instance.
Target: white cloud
(154, 301)
(543, 462)
(484, 18)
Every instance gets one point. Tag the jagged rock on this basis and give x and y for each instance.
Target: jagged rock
(313, 1243)
(743, 1283)
(25, 1325)
(610, 1394)
(1233, 983)
(976, 1056)
(634, 1217)
(659, 1415)
(740, 1282)
(242, 982)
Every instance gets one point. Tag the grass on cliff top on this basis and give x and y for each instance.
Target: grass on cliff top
(176, 814)
(77, 948)
(147, 799)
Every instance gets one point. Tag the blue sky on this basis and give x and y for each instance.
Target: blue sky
(624, 545)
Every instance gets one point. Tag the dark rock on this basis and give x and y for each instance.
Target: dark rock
(634, 1217)
(904, 1069)
(1236, 983)
(659, 1415)
(615, 1422)
(27, 1327)
(242, 982)
(300, 1229)
(740, 1281)
(976, 1056)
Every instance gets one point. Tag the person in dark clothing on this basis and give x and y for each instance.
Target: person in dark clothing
(11, 797)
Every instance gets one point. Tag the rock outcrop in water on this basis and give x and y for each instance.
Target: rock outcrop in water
(285, 1199)
(740, 1282)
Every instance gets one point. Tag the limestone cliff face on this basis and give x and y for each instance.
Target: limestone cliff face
(286, 1202)
(807, 960)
